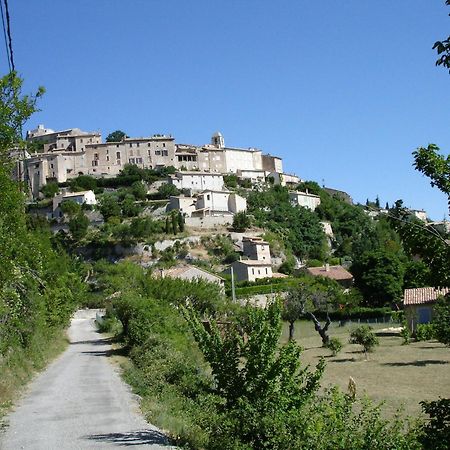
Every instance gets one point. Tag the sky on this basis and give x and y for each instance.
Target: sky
(342, 91)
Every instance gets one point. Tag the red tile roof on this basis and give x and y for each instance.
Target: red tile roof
(334, 272)
(419, 296)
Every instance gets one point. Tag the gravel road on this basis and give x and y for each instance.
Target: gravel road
(80, 402)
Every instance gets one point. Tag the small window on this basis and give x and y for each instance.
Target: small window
(131, 145)
(208, 197)
(253, 271)
(138, 144)
(267, 271)
(118, 155)
(164, 144)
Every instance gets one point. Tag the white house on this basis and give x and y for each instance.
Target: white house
(84, 197)
(285, 179)
(186, 205)
(251, 270)
(255, 176)
(304, 199)
(256, 248)
(210, 202)
(197, 181)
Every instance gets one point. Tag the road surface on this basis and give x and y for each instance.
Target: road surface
(80, 402)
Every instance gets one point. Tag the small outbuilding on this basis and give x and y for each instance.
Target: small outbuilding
(419, 303)
(337, 273)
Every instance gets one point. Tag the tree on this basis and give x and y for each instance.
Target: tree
(364, 336)
(167, 190)
(174, 219)
(70, 208)
(139, 190)
(83, 183)
(167, 228)
(441, 320)
(435, 166)
(377, 202)
(116, 136)
(443, 48)
(78, 226)
(379, 276)
(50, 189)
(109, 206)
(294, 306)
(241, 221)
(180, 221)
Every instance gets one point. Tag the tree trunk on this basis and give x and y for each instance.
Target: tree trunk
(291, 331)
(321, 330)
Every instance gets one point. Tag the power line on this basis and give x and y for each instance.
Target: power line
(4, 35)
(8, 27)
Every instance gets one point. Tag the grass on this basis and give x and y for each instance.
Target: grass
(400, 375)
(19, 367)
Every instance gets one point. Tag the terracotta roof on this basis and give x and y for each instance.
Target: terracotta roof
(419, 296)
(334, 272)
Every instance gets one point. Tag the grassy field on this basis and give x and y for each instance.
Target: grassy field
(400, 375)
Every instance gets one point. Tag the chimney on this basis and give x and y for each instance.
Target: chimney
(327, 267)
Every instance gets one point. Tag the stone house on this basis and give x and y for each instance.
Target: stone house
(418, 305)
(251, 270)
(197, 181)
(256, 248)
(82, 198)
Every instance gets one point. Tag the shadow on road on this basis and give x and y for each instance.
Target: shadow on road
(104, 341)
(132, 438)
(123, 351)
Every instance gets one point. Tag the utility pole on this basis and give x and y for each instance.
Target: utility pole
(233, 290)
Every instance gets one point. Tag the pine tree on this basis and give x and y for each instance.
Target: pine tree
(167, 225)
(174, 224)
(180, 221)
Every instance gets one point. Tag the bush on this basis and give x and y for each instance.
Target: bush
(241, 221)
(424, 332)
(441, 320)
(436, 433)
(335, 345)
(364, 336)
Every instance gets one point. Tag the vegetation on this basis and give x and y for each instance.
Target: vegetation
(40, 285)
(241, 221)
(335, 345)
(364, 336)
(116, 136)
(441, 320)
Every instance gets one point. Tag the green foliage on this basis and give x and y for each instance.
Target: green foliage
(109, 206)
(241, 221)
(417, 274)
(441, 320)
(70, 208)
(50, 189)
(116, 136)
(83, 183)
(167, 190)
(379, 276)
(298, 227)
(335, 345)
(424, 332)
(436, 433)
(309, 186)
(231, 181)
(180, 219)
(364, 336)
(139, 190)
(297, 300)
(261, 384)
(174, 220)
(78, 226)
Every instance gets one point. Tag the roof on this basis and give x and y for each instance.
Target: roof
(255, 240)
(303, 194)
(420, 296)
(253, 262)
(333, 272)
(76, 194)
(176, 272)
(193, 172)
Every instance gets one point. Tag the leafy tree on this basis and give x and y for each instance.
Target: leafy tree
(435, 166)
(83, 183)
(436, 432)
(417, 274)
(167, 190)
(262, 385)
(294, 306)
(70, 208)
(379, 276)
(441, 320)
(364, 336)
(139, 190)
(241, 221)
(443, 48)
(109, 206)
(50, 189)
(231, 181)
(116, 136)
(311, 186)
(78, 226)
(129, 206)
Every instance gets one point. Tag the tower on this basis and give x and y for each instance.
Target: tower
(217, 140)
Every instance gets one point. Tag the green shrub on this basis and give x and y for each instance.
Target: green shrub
(364, 336)
(335, 345)
(436, 432)
(424, 332)
(441, 320)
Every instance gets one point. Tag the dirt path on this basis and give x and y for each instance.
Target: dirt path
(80, 402)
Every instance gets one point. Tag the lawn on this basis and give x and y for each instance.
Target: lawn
(400, 375)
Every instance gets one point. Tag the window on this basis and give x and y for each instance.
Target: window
(131, 145)
(158, 152)
(267, 271)
(137, 145)
(95, 163)
(208, 197)
(148, 145)
(253, 271)
(138, 160)
(96, 156)
(164, 153)
(51, 166)
(117, 145)
(118, 155)
(131, 160)
(107, 157)
(164, 144)
(131, 152)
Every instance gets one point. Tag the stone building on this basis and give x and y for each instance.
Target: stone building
(304, 199)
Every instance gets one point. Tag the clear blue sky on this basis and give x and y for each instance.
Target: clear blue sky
(342, 90)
